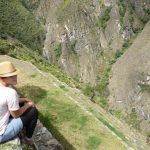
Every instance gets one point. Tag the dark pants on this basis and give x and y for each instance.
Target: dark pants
(29, 120)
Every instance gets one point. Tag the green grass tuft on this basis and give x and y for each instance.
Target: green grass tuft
(93, 142)
(145, 87)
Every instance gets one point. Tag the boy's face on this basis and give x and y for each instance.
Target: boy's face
(10, 80)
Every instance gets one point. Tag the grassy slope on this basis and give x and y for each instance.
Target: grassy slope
(69, 115)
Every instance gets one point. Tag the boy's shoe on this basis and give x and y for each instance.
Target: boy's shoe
(27, 141)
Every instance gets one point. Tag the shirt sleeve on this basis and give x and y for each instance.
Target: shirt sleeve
(13, 100)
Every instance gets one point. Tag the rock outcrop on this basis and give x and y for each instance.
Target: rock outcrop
(44, 140)
(14, 144)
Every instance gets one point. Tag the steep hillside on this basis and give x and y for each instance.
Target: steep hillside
(83, 35)
(16, 22)
(129, 85)
(72, 117)
(85, 39)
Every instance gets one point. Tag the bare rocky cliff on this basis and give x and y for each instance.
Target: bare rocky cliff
(129, 85)
(83, 35)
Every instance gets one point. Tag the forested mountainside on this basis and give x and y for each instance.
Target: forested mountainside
(101, 47)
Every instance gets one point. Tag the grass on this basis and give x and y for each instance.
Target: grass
(145, 87)
(102, 21)
(25, 147)
(132, 120)
(58, 51)
(117, 132)
(63, 87)
(30, 5)
(122, 10)
(63, 11)
(93, 142)
(10, 145)
(67, 122)
(101, 101)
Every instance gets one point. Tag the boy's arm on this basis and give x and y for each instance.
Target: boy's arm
(25, 100)
(21, 110)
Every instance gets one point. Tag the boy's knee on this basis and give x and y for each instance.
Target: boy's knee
(34, 111)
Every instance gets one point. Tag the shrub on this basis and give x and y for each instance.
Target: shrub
(102, 21)
(122, 10)
(30, 5)
(58, 51)
(88, 90)
(145, 87)
(132, 120)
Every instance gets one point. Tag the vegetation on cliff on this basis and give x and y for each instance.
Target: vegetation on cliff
(18, 50)
(18, 23)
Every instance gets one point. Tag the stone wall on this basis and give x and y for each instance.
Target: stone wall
(43, 140)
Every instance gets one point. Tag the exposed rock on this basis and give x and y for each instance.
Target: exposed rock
(11, 145)
(131, 70)
(44, 140)
(89, 32)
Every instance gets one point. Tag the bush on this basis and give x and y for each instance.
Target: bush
(122, 10)
(145, 87)
(88, 90)
(132, 120)
(58, 51)
(126, 44)
(104, 80)
(102, 101)
(30, 5)
(102, 22)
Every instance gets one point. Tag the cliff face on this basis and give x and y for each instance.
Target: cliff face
(83, 35)
(130, 86)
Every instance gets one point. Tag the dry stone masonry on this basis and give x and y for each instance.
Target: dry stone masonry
(42, 137)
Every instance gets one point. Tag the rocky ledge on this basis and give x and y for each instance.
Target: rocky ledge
(11, 145)
(43, 140)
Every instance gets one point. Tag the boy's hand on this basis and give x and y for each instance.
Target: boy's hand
(31, 104)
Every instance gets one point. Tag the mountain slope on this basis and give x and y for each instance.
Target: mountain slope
(16, 22)
(126, 93)
(72, 117)
(83, 35)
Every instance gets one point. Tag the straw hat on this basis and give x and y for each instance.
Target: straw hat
(7, 69)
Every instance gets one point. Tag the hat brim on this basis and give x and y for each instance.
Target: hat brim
(10, 74)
